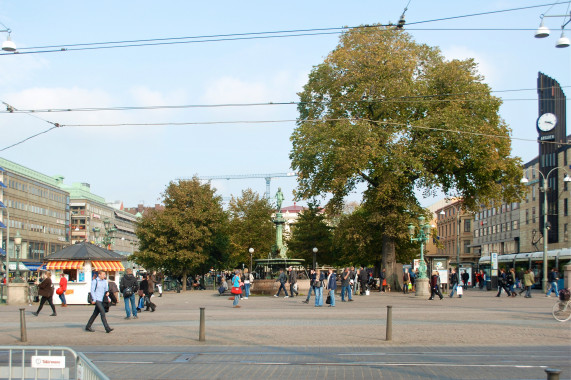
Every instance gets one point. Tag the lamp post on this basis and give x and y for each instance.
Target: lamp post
(18, 243)
(422, 237)
(8, 45)
(543, 31)
(315, 257)
(545, 228)
(251, 250)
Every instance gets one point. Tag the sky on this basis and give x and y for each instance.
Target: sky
(134, 164)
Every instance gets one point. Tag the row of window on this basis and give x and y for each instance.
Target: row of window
(498, 228)
(36, 209)
(496, 211)
(33, 227)
(39, 190)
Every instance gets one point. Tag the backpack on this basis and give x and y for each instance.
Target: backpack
(128, 292)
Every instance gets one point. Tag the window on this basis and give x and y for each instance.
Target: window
(533, 215)
(467, 225)
(466, 246)
(565, 232)
(527, 216)
(565, 207)
(515, 224)
(533, 192)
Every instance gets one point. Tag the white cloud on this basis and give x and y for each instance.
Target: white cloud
(20, 68)
(484, 63)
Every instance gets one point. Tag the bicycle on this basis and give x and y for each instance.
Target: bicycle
(562, 309)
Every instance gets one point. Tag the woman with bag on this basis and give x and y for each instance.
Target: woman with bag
(62, 289)
(46, 290)
(236, 288)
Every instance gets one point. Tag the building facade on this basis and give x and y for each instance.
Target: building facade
(455, 226)
(35, 207)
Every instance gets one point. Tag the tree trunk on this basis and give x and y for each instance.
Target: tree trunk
(184, 281)
(389, 263)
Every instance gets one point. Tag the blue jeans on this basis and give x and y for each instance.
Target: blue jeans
(454, 287)
(309, 293)
(247, 290)
(282, 286)
(553, 288)
(133, 305)
(236, 299)
(318, 296)
(62, 298)
(332, 295)
(347, 289)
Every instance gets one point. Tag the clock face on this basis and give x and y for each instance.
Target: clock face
(546, 122)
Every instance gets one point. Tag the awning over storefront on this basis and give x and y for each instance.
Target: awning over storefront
(113, 266)
(64, 265)
(12, 267)
(2, 225)
(33, 266)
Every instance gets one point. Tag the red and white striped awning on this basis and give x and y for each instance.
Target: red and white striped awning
(64, 265)
(112, 266)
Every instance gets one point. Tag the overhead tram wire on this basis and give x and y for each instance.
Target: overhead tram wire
(401, 99)
(251, 35)
(274, 121)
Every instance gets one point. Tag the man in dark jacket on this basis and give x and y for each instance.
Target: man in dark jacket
(435, 286)
(331, 287)
(292, 281)
(311, 285)
(453, 282)
(149, 290)
(363, 278)
(465, 278)
(282, 280)
(128, 287)
(345, 287)
(503, 283)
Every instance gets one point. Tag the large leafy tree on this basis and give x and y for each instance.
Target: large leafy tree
(311, 230)
(188, 234)
(396, 116)
(250, 227)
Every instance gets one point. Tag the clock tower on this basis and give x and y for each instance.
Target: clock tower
(552, 132)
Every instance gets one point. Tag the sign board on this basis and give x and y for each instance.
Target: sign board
(416, 264)
(443, 273)
(48, 361)
(494, 262)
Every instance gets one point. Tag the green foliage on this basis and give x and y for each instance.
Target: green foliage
(311, 231)
(425, 123)
(188, 234)
(250, 227)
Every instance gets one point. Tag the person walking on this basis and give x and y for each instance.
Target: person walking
(332, 286)
(248, 280)
(383, 280)
(158, 280)
(62, 289)
(503, 283)
(46, 291)
(318, 288)
(553, 277)
(413, 280)
(345, 286)
(435, 286)
(511, 277)
(128, 287)
(405, 281)
(453, 282)
(311, 285)
(236, 284)
(99, 293)
(149, 291)
(292, 282)
(465, 278)
(282, 279)
(528, 281)
(142, 286)
(363, 277)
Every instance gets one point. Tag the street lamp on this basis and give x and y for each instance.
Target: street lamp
(545, 227)
(8, 45)
(315, 257)
(251, 250)
(422, 237)
(543, 31)
(18, 243)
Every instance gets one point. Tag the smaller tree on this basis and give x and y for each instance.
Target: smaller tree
(311, 231)
(250, 226)
(182, 237)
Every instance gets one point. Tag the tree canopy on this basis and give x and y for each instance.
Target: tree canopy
(188, 234)
(250, 227)
(396, 116)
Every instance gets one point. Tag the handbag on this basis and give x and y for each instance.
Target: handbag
(236, 290)
(328, 300)
(409, 286)
(59, 291)
(317, 284)
(89, 298)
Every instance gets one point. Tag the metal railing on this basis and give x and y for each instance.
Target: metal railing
(46, 362)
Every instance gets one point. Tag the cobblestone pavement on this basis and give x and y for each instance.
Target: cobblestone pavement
(478, 320)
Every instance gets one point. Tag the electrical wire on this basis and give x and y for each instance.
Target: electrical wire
(404, 99)
(249, 36)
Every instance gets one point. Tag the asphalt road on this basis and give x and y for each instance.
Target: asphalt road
(268, 362)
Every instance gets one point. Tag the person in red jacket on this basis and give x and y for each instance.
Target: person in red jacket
(62, 289)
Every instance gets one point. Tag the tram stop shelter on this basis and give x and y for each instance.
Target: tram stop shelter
(78, 263)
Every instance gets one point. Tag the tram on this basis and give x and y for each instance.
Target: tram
(556, 258)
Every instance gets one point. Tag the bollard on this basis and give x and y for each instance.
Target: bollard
(552, 374)
(201, 334)
(23, 332)
(389, 323)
